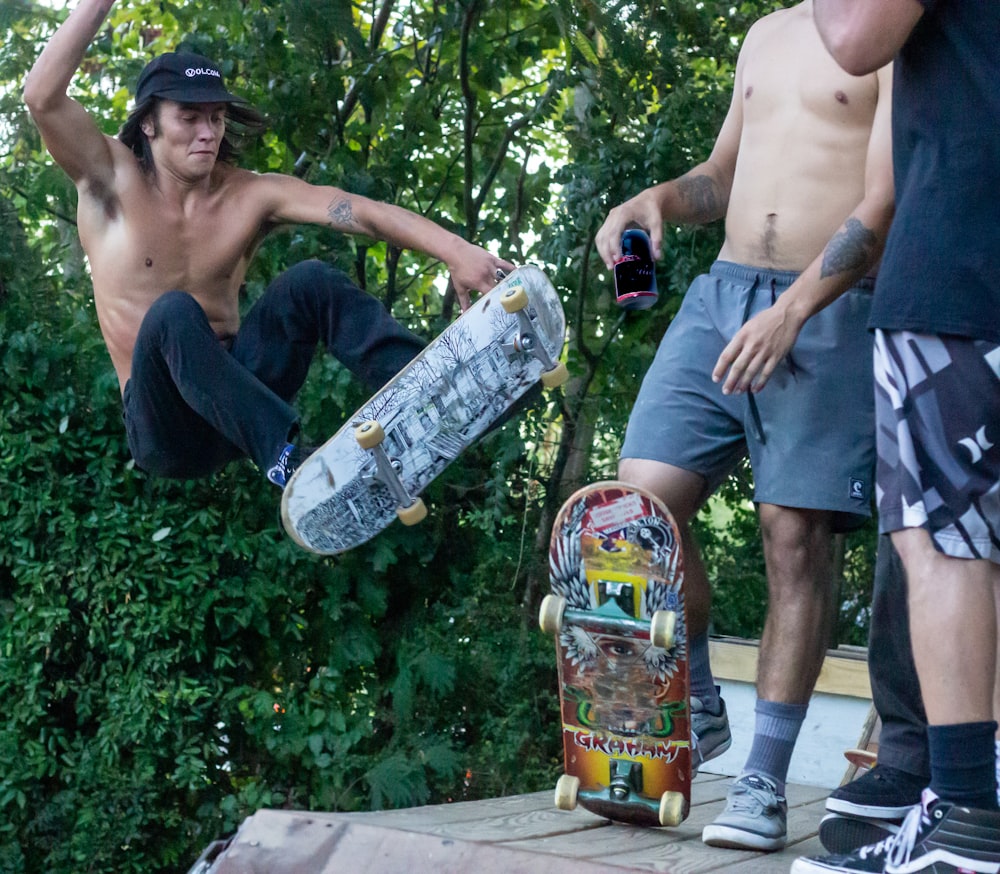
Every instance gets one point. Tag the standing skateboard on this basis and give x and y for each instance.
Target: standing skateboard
(373, 468)
(617, 613)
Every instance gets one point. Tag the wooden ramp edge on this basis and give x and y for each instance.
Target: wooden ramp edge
(521, 833)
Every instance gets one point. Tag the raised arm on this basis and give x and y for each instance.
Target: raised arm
(70, 134)
(295, 201)
(762, 343)
(864, 36)
(699, 196)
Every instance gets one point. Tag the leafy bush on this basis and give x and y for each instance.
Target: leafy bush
(171, 663)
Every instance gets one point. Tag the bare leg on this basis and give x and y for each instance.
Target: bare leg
(953, 623)
(684, 493)
(799, 556)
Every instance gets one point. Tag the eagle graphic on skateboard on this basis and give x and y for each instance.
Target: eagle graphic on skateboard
(617, 614)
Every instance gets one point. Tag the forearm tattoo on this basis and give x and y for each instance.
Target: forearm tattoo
(849, 249)
(340, 212)
(701, 196)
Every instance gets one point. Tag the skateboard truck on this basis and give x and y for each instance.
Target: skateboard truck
(553, 613)
(370, 436)
(626, 778)
(621, 593)
(514, 300)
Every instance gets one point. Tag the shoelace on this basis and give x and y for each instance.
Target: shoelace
(898, 853)
(746, 796)
(897, 848)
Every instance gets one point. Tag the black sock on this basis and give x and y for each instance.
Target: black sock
(963, 763)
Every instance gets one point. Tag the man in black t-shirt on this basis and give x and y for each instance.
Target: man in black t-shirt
(937, 382)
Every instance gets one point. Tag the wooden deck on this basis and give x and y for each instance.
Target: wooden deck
(525, 834)
(521, 833)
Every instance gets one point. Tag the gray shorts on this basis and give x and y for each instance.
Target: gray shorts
(937, 401)
(810, 433)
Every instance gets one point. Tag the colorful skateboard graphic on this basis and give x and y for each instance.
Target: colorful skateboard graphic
(617, 613)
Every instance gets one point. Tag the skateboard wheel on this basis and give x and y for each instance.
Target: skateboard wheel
(567, 790)
(661, 628)
(416, 512)
(514, 299)
(556, 376)
(671, 808)
(550, 616)
(369, 434)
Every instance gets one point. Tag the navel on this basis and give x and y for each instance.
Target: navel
(747, 94)
(149, 262)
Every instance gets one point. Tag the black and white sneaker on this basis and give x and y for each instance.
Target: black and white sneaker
(839, 833)
(936, 837)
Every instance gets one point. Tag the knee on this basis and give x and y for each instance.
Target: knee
(317, 277)
(681, 490)
(170, 308)
(798, 546)
(790, 527)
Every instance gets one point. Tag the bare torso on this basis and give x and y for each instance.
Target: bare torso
(144, 242)
(800, 169)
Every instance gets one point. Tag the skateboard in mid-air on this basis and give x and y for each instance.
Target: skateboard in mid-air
(617, 613)
(373, 469)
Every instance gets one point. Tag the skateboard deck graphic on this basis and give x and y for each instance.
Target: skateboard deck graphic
(373, 468)
(617, 614)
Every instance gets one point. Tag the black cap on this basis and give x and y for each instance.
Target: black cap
(185, 77)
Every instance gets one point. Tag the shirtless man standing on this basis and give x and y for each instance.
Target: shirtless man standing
(801, 171)
(170, 226)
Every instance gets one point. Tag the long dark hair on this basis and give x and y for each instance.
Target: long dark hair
(242, 124)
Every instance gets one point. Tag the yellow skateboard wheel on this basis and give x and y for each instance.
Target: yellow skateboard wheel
(514, 299)
(550, 616)
(567, 790)
(369, 434)
(671, 808)
(416, 512)
(661, 628)
(556, 376)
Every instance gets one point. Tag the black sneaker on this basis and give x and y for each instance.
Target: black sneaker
(842, 834)
(881, 793)
(936, 837)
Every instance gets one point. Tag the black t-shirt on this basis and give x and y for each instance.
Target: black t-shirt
(941, 270)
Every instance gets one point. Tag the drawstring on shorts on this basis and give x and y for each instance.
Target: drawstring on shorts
(751, 296)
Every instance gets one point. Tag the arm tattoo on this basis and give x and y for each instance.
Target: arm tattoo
(701, 196)
(340, 212)
(849, 249)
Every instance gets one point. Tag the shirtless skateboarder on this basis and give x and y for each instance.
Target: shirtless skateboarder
(170, 225)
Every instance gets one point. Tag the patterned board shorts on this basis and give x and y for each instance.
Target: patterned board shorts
(937, 401)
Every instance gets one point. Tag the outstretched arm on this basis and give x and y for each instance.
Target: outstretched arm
(295, 201)
(763, 342)
(70, 134)
(863, 36)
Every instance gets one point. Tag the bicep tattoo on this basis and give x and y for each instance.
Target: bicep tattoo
(340, 213)
(849, 249)
(701, 196)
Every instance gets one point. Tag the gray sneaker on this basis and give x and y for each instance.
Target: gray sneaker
(710, 734)
(755, 817)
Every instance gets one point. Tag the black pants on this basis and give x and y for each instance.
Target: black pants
(895, 687)
(193, 403)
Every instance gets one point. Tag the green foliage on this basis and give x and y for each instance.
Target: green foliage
(169, 662)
